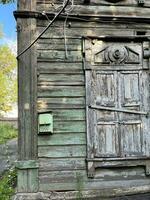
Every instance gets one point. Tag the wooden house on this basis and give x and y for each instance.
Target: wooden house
(84, 99)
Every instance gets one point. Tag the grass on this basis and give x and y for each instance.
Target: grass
(7, 132)
(7, 184)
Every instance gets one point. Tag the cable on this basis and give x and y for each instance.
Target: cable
(56, 16)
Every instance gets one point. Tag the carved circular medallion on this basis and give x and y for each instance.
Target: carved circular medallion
(116, 54)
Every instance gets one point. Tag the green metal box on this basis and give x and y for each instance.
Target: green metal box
(45, 123)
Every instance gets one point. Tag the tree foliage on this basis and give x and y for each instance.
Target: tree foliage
(8, 82)
(7, 1)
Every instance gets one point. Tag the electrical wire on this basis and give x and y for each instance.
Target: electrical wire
(51, 22)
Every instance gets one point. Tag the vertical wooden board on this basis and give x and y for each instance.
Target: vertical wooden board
(106, 140)
(22, 181)
(131, 139)
(27, 91)
(33, 180)
(105, 88)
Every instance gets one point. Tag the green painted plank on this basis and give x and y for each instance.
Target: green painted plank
(33, 180)
(27, 180)
(67, 103)
(22, 180)
(65, 114)
(97, 185)
(62, 139)
(62, 151)
(61, 91)
(60, 77)
(54, 164)
(26, 164)
(69, 126)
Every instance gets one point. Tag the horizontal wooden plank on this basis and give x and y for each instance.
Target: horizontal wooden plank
(60, 79)
(62, 151)
(46, 104)
(79, 32)
(60, 67)
(60, 55)
(62, 139)
(69, 126)
(63, 176)
(96, 185)
(50, 164)
(86, 24)
(103, 175)
(114, 11)
(48, 3)
(61, 91)
(27, 164)
(67, 114)
(59, 44)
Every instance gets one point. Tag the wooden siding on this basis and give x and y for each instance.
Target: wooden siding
(61, 89)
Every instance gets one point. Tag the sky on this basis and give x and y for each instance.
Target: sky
(8, 24)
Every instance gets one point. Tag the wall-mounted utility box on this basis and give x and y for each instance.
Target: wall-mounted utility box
(45, 123)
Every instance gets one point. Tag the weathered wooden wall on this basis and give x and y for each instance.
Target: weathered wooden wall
(61, 89)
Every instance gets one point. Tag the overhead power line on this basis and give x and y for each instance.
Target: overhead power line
(47, 27)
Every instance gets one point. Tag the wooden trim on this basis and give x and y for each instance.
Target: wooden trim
(110, 163)
(84, 17)
(27, 164)
(27, 98)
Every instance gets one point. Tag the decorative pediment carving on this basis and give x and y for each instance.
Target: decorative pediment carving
(117, 54)
(113, 1)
